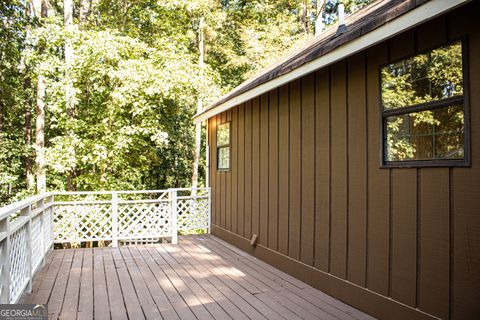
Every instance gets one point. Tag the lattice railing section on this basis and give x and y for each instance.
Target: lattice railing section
(29, 228)
(47, 229)
(144, 220)
(82, 222)
(18, 262)
(25, 237)
(192, 213)
(38, 245)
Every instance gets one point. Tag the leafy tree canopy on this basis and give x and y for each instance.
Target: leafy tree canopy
(135, 78)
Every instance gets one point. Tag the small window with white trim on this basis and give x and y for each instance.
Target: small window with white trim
(223, 147)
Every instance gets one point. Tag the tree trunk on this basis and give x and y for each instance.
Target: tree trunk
(69, 56)
(41, 11)
(304, 16)
(125, 7)
(27, 85)
(85, 9)
(198, 126)
(40, 135)
(69, 90)
(1, 120)
(28, 138)
(319, 17)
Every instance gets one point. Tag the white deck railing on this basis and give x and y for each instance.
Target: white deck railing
(28, 229)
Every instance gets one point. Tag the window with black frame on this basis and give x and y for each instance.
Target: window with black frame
(223, 146)
(424, 109)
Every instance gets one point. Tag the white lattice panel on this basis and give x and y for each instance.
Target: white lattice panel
(144, 220)
(84, 222)
(47, 230)
(192, 213)
(37, 241)
(18, 261)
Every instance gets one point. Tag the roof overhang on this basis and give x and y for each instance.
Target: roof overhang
(420, 14)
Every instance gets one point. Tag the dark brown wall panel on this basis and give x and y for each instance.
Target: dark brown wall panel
(322, 169)
(241, 171)
(434, 242)
(404, 235)
(378, 225)
(283, 168)
(434, 211)
(338, 248)
(212, 126)
(223, 186)
(234, 170)
(248, 169)
(357, 171)
(465, 183)
(308, 170)
(273, 160)
(228, 184)
(295, 170)
(403, 256)
(264, 158)
(256, 166)
(217, 216)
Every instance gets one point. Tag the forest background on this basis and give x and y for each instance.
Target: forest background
(100, 94)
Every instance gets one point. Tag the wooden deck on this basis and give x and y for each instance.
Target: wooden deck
(202, 277)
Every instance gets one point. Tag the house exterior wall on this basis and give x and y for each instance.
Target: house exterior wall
(305, 176)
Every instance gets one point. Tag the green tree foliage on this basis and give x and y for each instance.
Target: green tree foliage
(14, 96)
(136, 83)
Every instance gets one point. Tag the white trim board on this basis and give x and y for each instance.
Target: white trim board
(398, 25)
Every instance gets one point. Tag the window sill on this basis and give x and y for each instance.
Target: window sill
(461, 163)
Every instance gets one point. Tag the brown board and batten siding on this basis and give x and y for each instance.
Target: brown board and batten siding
(305, 176)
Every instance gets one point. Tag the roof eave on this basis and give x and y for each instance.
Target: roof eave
(398, 25)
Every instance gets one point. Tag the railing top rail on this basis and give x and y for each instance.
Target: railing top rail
(66, 193)
(16, 206)
(73, 193)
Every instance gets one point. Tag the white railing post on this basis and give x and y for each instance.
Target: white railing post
(209, 209)
(5, 262)
(173, 199)
(26, 212)
(43, 238)
(114, 219)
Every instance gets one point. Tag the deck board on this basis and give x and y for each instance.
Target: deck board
(202, 277)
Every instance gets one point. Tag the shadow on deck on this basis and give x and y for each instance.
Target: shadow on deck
(202, 277)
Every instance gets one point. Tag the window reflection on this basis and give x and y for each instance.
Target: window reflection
(429, 87)
(425, 135)
(423, 78)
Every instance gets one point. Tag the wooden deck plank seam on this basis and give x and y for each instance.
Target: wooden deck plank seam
(252, 300)
(167, 312)
(225, 283)
(200, 278)
(327, 308)
(226, 290)
(172, 294)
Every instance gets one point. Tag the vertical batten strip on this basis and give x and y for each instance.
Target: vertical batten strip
(295, 171)
(273, 170)
(264, 170)
(308, 170)
(283, 168)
